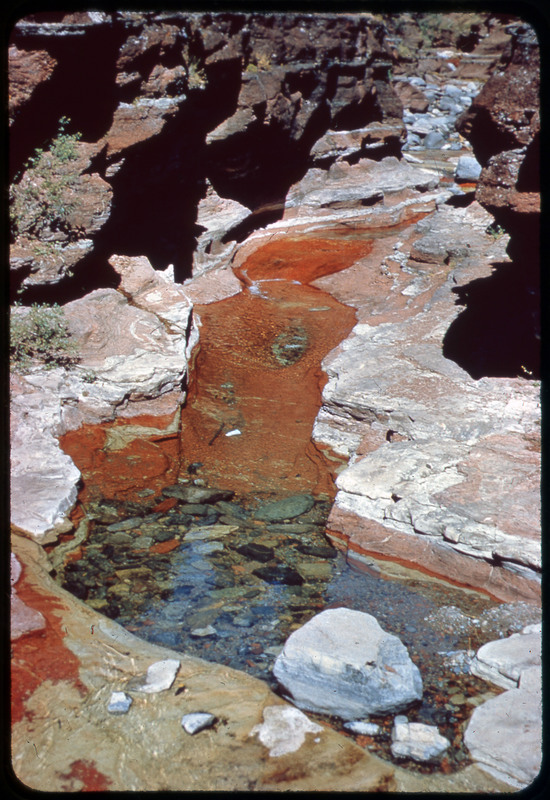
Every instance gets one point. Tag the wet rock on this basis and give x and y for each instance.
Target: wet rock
(417, 741)
(317, 550)
(197, 721)
(279, 573)
(201, 633)
(341, 662)
(196, 494)
(288, 508)
(119, 703)
(257, 552)
(504, 734)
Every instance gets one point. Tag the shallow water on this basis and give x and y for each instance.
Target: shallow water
(215, 579)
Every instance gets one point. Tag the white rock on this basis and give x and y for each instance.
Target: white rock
(504, 660)
(284, 730)
(197, 721)
(119, 703)
(504, 735)
(342, 662)
(362, 728)
(160, 676)
(416, 740)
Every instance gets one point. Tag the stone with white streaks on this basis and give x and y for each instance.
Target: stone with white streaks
(342, 662)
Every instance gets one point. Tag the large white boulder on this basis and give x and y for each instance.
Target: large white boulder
(342, 662)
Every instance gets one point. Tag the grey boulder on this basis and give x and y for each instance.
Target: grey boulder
(343, 663)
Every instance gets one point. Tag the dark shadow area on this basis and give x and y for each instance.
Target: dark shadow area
(86, 72)
(91, 273)
(498, 333)
(461, 200)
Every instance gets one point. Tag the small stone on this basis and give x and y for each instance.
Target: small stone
(160, 676)
(362, 728)
(284, 730)
(197, 721)
(119, 703)
(416, 740)
(199, 633)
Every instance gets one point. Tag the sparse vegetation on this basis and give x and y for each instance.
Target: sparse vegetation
(40, 335)
(261, 62)
(196, 76)
(43, 197)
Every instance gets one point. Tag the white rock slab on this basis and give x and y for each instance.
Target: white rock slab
(417, 741)
(504, 660)
(284, 730)
(342, 662)
(504, 735)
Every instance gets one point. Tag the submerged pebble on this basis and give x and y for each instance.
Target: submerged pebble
(197, 721)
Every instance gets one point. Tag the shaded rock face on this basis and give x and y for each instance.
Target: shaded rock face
(503, 125)
(182, 108)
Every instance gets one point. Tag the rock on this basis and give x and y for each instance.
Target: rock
(160, 676)
(119, 703)
(346, 187)
(396, 373)
(197, 494)
(417, 741)
(434, 140)
(287, 508)
(504, 734)
(257, 552)
(209, 532)
(28, 69)
(284, 730)
(467, 170)
(23, 618)
(279, 573)
(197, 721)
(341, 662)
(504, 660)
(362, 728)
(200, 633)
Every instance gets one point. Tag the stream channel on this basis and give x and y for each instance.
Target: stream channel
(206, 531)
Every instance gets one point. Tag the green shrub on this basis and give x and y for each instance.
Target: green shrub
(40, 335)
(43, 198)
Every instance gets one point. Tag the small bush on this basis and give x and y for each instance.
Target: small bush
(40, 335)
(43, 198)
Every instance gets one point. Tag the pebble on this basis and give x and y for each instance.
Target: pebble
(208, 630)
(160, 676)
(197, 721)
(362, 728)
(119, 703)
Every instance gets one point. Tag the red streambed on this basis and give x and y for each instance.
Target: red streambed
(239, 383)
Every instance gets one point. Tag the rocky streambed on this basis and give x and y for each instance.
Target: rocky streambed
(313, 424)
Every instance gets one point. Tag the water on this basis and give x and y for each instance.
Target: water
(215, 579)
